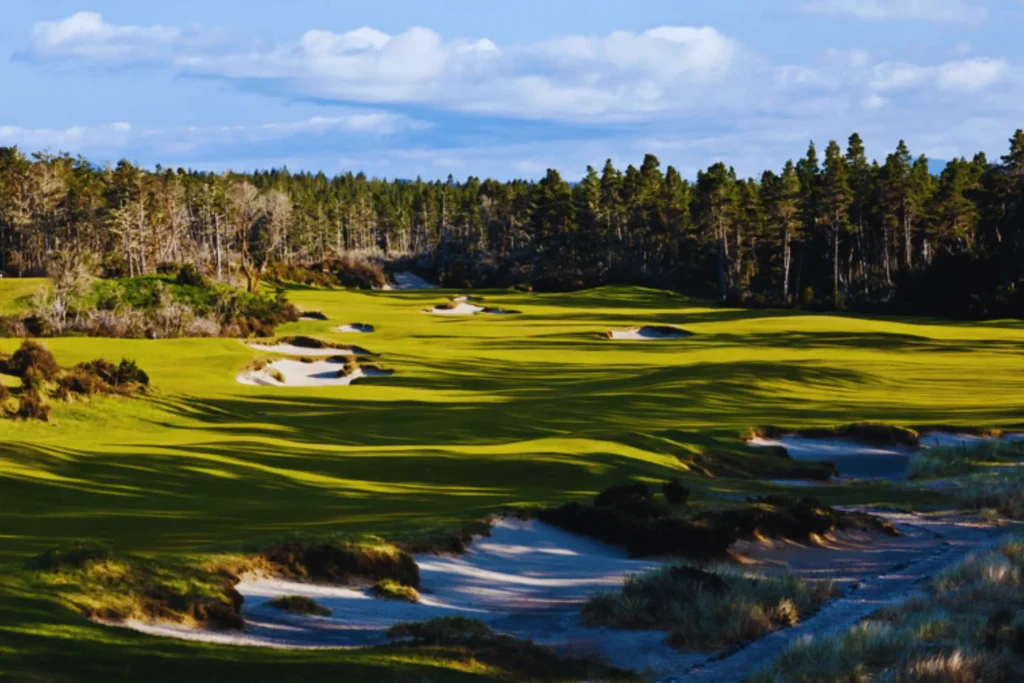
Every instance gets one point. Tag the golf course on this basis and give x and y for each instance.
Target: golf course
(480, 414)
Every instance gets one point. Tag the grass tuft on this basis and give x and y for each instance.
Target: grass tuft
(388, 589)
(300, 604)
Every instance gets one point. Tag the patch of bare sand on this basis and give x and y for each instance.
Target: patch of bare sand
(649, 333)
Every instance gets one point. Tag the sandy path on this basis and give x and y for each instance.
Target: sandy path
(932, 543)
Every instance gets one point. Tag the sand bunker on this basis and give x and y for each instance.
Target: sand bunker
(460, 308)
(302, 346)
(528, 578)
(313, 315)
(863, 460)
(355, 327)
(408, 281)
(649, 333)
(463, 307)
(296, 373)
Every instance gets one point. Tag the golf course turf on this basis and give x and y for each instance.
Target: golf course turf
(482, 413)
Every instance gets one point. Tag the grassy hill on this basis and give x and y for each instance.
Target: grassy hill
(483, 412)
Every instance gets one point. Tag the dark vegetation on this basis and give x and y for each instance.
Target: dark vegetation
(514, 659)
(43, 378)
(631, 516)
(300, 604)
(823, 233)
(707, 610)
(344, 562)
(873, 433)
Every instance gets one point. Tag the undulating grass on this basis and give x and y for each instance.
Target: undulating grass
(966, 627)
(483, 413)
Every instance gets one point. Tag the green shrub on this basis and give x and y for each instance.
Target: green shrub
(388, 589)
(300, 604)
(189, 276)
(33, 407)
(33, 358)
(675, 493)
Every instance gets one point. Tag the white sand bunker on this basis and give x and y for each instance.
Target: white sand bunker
(465, 308)
(318, 373)
(363, 328)
(649, 333)
(407, 281)
(864, 460)
(460, 308)
(306, 346)
(312, 315)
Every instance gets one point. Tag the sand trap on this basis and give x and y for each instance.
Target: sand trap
(461, 308)
(293, 350)
(528, 578)
(464, 297)
(313, 315)
(355, 327)
(322, 373)
(866, 461)
(649, 333)
(408, 281)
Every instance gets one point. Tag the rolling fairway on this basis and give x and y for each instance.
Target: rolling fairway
(482, 413)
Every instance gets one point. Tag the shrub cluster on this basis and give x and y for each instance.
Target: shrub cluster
(344, 562)
(347, 270)
(41, 376)
(157, 307)
(630, 516)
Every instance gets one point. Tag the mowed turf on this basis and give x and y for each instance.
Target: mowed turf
(483, 412)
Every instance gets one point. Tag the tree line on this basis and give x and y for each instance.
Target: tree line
(831, 231)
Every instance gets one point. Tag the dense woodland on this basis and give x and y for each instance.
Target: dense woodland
(828, 231)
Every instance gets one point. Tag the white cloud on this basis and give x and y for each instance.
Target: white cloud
(932, 10)
(621, 76)
(86, 35)
(119, 136)
(972, 74)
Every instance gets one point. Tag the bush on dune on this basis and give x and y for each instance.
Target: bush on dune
(939, 462)
(629, 516)
(344, 562)
(964, 627)
(103, 585)
(300, 604)
(388, 589)
(707, 610)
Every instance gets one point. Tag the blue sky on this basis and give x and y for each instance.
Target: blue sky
(409, 88)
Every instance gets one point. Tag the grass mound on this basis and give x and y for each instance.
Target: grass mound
(953, 461)
(707, 610)
(967, 626)
(344, 562)
(101, 585)
(630, 516)
(387, 589)
(300, 604)
(510, 658)
(867, 432)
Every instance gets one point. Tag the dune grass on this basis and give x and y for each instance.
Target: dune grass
(300, 604)
(955, 461)
(967, 626)
(483, 413)
(707, 610)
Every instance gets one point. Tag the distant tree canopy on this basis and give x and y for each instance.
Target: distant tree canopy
(840, 232)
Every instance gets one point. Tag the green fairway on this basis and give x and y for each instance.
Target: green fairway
(483, 412)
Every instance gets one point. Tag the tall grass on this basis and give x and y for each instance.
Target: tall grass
(953, 461)
(966, 627)
(707, 610)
